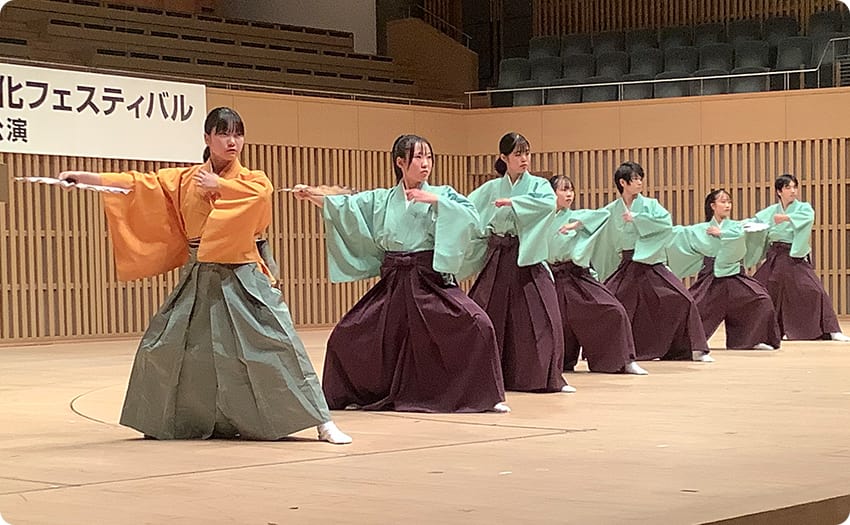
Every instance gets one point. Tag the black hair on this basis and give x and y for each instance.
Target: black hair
(556, 181)
(511, 142)
(404, 147)
(625, 172)
(710, 199)
(222, 120)
(785, 180)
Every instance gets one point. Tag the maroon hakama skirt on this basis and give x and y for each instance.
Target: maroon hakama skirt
(593, 321)
(665, 320)
(523, 305)
(740, 301)
(803, 308)
(413, 343)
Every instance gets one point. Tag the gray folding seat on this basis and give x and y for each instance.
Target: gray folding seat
(575, 44)
(674, 37)
(716, 56)
(709, 34)
(565, 94)
(776, 28)
(607, 42)
(824, 22)
(647, 62)
(671, 89)
(599, 93)
(740, 30)
(752, 53)
(683, 60)
(613, 64)
(544, 46)
(545, 69)
(578, 67)
(749, 84)
(637, 91)
(528, 98)
(512, 71)
(641, 39)
(709, 86)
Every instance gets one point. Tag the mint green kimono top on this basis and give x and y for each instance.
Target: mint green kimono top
(797, 232)
(361, 227)
(648, 235)
(691, 243)
(528, 218)
(576, 246)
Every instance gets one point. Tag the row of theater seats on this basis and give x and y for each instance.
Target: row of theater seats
(102, 34)
(771, 30)
(578, 59)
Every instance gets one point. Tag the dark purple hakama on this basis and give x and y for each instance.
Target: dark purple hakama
(665, 321)
(523, 305)
(593, 320)
(803, 309)
(740, 301)
(413, 343)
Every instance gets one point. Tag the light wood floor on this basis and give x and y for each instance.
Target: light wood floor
(690, 443)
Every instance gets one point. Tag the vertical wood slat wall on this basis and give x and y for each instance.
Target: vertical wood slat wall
(57, 278)
(558, 17)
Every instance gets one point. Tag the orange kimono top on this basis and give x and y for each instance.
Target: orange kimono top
(150, 227)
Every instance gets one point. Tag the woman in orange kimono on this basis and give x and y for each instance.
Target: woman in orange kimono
(221, 357)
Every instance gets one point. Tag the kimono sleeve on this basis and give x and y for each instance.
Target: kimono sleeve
(534, 213)
(475, 253)
(606, 256)
(801, 217)
(242, 210)
(654, 227)
(592, 227)
(147, 232)
(350, 233)
(457, 224)
(756, 242)
(682, 258)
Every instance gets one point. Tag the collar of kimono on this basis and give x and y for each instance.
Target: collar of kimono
(519, 184)
(791, 205)
(637, 200)
(232, 170)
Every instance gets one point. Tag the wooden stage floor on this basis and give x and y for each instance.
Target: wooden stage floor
(754, 432)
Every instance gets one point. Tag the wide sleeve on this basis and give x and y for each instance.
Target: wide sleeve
(732, 248)
(683, 259)
(801, 217)
(457, 224)
(756, 242)
(534, 213)
(606, 256)
(350, 234)
(654, 227)
(592, 227)
(242, 210)
(475, 253)
(145, 227)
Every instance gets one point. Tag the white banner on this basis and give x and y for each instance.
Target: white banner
(56, 112)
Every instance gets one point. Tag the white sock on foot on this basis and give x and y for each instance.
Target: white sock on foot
(702, 357)
(763, 346)
(838, 336)
(329, 432)
(567, 389)
(501, 408)
(634, 368)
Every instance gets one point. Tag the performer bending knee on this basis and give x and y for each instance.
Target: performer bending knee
(665, 320)
(220, 358)
(415, 341)
(515, 287)
(803, 308)
(584, 302)
(723, 291)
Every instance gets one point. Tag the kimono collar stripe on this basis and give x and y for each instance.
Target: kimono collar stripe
(230, 173)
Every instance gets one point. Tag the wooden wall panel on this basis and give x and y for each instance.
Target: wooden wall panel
(557, 17)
